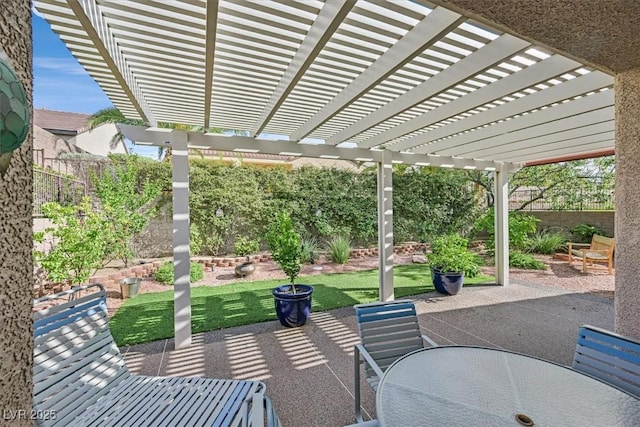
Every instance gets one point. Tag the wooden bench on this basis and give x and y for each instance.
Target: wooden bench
(80, 376)
(600, 250)
(609, 357)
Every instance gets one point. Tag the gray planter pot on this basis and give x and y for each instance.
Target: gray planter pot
(129, 287)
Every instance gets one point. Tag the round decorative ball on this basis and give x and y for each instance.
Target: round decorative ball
(14, 110)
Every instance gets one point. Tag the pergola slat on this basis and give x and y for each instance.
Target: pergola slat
(537, 73)
(440, 21)
(327, 22)
(570, 115)
(497, 50)
(578, 86)
(247, 73)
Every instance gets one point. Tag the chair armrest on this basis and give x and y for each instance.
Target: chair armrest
(367, 357)
(431, 342)
(571, 244)
(257, 408)
(370, 423)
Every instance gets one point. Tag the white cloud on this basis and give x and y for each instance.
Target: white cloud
(61, 65)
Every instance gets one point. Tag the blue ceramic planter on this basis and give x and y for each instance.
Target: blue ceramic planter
(293, 310)
(447, 283)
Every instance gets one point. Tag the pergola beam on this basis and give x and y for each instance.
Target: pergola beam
(329, 19)
(543, 140)
(595, 108)
(88, 14)
(593, 143)
(238, 143)
(499, 49)
(572, 88)
(210, 46)
(539, 72)
(426, 33)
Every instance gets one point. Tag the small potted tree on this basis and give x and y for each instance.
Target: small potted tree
(292, 301)
(450, 260)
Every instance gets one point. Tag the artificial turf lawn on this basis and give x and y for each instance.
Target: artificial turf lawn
(149, 317)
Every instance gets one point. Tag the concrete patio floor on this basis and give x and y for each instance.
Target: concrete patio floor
(309, 370)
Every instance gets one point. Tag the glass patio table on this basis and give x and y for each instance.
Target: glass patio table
(475, 386)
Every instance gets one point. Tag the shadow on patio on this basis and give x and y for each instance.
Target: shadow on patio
(309, 370)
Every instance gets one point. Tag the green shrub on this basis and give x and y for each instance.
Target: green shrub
(195, 240)
(545, 242)
(127, 203)
(165, 273)
(339, 248)
(227, 201)
(77, 243)
(244, 246)
(520, 228)
(521, 260)
(309, 248)
(450, 253)
(584, 232)
(284, 243)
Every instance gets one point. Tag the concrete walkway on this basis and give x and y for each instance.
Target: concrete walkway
(309, 370)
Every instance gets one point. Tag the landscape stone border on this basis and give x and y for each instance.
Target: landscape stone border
(147, 270)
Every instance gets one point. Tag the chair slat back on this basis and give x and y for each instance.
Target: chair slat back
(602, 243)
(388, 330)
(610, 357)
(76, 360)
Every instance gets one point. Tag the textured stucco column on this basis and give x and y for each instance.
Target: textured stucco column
(16, 238)
(385, 227)
(627, 217)
(181, 261)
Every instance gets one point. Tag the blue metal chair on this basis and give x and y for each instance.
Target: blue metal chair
(609, 357)
(80, 375)
(388, 330)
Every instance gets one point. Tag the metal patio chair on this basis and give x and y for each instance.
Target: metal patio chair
(388, 330)
(80, 376)
(610, 357)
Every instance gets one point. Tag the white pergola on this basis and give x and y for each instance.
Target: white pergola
(384, 82)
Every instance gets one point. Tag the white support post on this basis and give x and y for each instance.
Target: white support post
(182, 285)
(385, 227)
(501, 224)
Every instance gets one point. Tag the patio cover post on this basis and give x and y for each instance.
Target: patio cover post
(181, 261)
(385, 226)
(501, 224)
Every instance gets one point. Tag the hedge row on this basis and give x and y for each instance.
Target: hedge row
(232, 201)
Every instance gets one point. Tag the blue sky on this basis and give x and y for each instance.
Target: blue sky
(60, 83)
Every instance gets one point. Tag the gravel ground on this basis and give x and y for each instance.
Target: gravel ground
(558, 273)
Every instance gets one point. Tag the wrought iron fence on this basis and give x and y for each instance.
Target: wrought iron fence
(580, 200)
(50, 187)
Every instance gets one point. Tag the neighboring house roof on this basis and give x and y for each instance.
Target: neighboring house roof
(60, 122)
(73, 128)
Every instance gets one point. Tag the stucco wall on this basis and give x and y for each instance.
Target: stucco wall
(569, 219)
(98, 141)
(157, 239)
(627, 295)
(16, 268)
